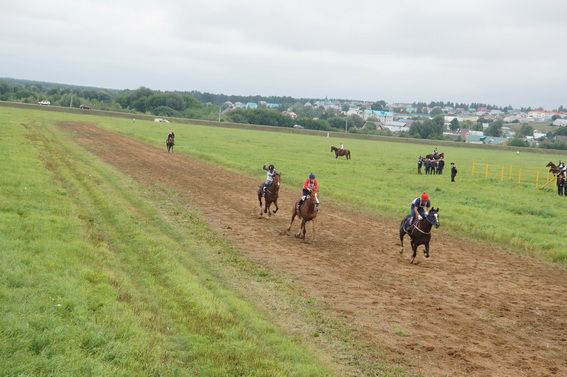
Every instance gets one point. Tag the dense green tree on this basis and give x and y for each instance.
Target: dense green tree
(379, 105)
(436, 111)
(428, 129)
(517, 142)
(525, 130)
(494, 129)
(454, 124)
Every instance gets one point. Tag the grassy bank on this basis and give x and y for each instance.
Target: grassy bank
(95, 280)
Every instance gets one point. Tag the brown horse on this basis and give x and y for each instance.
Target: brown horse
(420, 233)
(340, 152)
(169, 143)
(554, 169)
(307, 212)
(271, 196)
(439, 156)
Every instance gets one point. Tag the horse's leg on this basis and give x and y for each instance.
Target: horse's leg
(426, 251)
(414, 250)
(276, 203)
(402, 234)
(292, 218)
(301, 229)
(313, 221)
(260, 201)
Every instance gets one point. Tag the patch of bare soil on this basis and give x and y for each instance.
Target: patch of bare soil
(468, 310)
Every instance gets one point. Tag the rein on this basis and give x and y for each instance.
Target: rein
(416, 227)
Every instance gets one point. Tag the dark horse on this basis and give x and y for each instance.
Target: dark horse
(341, 152)
(271, 196)
(554, 169)
(170, 142)
(307, 212)
(420, 233)
(431, 155)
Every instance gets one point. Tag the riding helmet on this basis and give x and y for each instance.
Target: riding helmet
(311, 176)
(424, 196)
(271, 167)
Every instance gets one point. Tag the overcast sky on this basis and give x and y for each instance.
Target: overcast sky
(492, 51)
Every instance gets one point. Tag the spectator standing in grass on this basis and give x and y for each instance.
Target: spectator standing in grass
(560, 184)
(453, 171)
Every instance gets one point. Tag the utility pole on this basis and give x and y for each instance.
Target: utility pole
(346, 125)
(71, 102)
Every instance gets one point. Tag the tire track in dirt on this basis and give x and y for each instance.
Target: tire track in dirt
(468, 310)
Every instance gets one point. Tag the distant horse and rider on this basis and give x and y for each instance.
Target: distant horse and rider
(340, 152)
(555, 169)
(270, 194)
(419, 232)
(170, 142)
(435, 156)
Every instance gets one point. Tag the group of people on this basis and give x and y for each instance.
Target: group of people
(432, 165)
(435, 166)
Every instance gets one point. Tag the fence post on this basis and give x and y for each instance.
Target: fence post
(485, 170)
(472, 171)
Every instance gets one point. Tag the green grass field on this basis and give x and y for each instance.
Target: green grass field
(99, 277)
(381, 178)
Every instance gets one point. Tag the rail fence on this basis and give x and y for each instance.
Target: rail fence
(540, 178)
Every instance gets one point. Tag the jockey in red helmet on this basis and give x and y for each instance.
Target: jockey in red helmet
(419, 207)
(309, 185)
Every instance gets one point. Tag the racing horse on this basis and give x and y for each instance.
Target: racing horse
(271, 196)
(306, 212)
(431, 155)
(420, 233)
(170, 142)
(340, 152)
(554, 169)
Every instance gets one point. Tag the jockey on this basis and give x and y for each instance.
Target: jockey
(417, 211)
(341, 147)
(171, 135)
(309, 185)
(270, 174)
(435, 153)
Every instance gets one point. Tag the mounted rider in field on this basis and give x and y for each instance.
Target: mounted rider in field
(418, 207)
(309, 186)
(341, 147)
(171, 136)
(270, 174)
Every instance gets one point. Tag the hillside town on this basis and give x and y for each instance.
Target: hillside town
(461, 122)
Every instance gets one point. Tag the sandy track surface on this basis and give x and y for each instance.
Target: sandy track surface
(468, 310)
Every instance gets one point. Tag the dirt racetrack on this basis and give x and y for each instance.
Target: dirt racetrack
(469, 310)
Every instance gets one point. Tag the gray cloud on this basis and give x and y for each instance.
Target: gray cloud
(504, 52)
